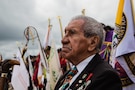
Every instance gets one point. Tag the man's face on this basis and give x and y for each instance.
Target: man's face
(75, 45)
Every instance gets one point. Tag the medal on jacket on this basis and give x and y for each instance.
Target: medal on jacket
(86, 83)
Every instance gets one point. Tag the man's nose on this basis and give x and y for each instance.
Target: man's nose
(65, 40)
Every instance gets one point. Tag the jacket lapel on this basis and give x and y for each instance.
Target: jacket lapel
(84, 79)
(61, 80)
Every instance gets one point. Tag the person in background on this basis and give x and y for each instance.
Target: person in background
(5, 65)
(1, 58)
(63, 61)
(32, 59)
(81, 45)
(47, 51)
(106, 47)
(1, 62)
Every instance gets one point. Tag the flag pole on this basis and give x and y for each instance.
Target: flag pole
(68, 65)
(48, 33)
(17, 43)
(21, 52)
(60, 27)
(83, 12)
(133, 10)
(119, 12)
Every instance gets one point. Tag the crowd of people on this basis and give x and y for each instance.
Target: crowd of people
(83, 47)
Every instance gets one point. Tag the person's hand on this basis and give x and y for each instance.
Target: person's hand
(8, 63)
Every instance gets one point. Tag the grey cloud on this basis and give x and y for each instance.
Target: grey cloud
(16, 15)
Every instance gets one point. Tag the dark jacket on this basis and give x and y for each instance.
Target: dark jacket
(97, 75)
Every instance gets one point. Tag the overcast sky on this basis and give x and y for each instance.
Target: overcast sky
(16, 15)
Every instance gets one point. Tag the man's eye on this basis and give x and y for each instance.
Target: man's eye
(72, 32)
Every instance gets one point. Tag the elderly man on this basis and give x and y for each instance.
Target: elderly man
(81, 45)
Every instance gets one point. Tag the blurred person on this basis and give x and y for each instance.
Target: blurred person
(5, 66)
(0, 62)
(81, 45)
(63, 61)
(106, 46)
(30, 60)
(1, 58)
(47, 51)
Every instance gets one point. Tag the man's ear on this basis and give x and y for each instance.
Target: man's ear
(93, 43)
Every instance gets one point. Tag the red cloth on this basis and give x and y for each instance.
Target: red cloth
(36, 71)
(63, 62)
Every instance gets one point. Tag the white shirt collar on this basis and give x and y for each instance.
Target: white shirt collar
(81, 66)
(84, 63)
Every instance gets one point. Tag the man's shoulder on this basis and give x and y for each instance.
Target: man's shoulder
(104, 68)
